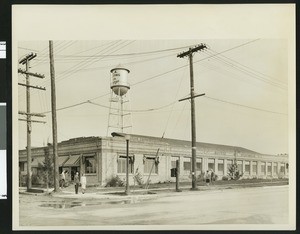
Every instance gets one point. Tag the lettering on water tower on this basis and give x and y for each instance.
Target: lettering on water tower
(115, 77)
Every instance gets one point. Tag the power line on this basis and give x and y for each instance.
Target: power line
(161, 74)
(176, 95)
(245, 106)
(85, 64)
(249, 73)
(75, 67)
(250, 68)
(178, 68)
(129, 54)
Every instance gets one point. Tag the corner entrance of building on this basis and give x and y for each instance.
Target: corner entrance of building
(73, 172)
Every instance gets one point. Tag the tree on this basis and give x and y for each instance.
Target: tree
(233, 172)
(48, 170)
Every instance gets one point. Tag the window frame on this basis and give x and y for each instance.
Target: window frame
(85, 164)
(122, 158)
(263, 165)
(147, 159)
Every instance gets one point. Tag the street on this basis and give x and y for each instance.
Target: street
(263, 205)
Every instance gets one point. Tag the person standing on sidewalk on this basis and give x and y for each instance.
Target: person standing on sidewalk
(212, 175)
(62, 179)
(207, 177)
(77, 181)
(83, 183)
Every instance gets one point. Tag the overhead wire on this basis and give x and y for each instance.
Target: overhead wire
(176, 95)
(178, 68)
(247, 67)
(245, 106)
(104, 106)
(92, 62)
(131, 54)
(248, 73)
(89, 101)
(75, 67)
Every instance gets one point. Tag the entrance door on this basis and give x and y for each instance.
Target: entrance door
(73, 172)
(173, 165)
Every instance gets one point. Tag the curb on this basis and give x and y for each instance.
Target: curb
(115, 194)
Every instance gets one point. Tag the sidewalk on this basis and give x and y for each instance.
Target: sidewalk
(141, 194)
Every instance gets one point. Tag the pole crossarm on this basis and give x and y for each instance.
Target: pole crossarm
(34, 121)
(192, 50)
(189, 53)
(31, 86)
(32, 114)
(27, 58)
(31, 73)
(183, 99)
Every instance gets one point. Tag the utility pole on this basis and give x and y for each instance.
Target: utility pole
(189, 53)
(54, 122)
(26, 61)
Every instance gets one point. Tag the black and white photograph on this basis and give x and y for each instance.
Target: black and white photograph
(124, 120)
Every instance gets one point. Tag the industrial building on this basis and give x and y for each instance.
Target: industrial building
(102, 158)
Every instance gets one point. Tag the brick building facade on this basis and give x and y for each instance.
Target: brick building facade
(101, 158)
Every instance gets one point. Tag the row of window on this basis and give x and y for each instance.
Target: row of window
(89, 164)
(150, 165)
(220, 167)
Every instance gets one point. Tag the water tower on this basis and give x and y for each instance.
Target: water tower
(119, 118)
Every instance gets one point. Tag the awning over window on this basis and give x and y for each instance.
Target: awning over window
(72, 161)
(62, 160)
(37, 161)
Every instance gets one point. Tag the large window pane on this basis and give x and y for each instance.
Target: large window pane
(254, 168)
(247, 167)
(221, 167)
(187, 166)
(269, 168)
(90, 165)
(122, 164)
(282, 168)
(240, 166)
(263, 168)
(149, 162)
(211, 164)
(275, 169)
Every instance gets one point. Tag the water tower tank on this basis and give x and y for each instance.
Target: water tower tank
(119, 83)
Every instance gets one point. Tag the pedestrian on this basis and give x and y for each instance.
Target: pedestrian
(66, 178)
(212, 176)
(62, 179)
(207, 177)
(83, 183)
(77, 181)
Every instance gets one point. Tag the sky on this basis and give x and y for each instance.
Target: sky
(244, 81)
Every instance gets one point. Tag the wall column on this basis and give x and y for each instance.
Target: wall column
(251, 168)
(216, 166)
(225, 167)
(205, 164)
(272, 171)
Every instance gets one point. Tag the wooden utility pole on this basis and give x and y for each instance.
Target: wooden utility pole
(54, 122)
(26, 61)
(189, 53)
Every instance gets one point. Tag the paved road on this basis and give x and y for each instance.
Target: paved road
(263, 205)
